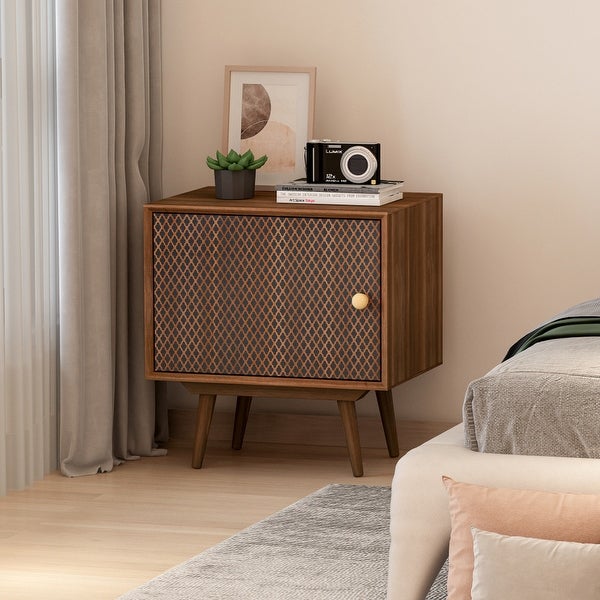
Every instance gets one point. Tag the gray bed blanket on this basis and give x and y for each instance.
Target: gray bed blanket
(543, 399)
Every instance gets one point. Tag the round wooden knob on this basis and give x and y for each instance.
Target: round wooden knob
(360, 301)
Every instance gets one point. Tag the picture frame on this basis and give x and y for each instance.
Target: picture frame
(270, 110)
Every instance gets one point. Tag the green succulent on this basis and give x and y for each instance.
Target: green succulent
(235, 162)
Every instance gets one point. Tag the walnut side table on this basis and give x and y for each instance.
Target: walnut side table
(255, 298)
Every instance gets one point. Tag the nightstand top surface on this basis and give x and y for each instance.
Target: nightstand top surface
(264, 200)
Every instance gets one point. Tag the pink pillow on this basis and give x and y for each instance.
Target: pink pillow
(529, 513)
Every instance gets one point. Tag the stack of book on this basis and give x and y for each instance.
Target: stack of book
(301, 192)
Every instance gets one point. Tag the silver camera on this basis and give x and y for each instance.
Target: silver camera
(329, 161)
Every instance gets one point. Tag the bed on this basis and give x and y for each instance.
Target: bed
(544, 397)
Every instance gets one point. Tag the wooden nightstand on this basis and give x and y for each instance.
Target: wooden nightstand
(254, 298)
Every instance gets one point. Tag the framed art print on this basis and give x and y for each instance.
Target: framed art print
(270, 110)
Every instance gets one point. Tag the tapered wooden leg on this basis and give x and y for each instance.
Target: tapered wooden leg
(206, 407)
(242, 411)
(350, 422)
(388, 420)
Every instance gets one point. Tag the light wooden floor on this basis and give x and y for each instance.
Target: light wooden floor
(97, 537)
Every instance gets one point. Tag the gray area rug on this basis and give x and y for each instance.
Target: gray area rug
(331, 545)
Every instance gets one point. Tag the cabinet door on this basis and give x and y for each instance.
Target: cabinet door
(266, 296)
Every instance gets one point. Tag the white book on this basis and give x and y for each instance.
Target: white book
(336, 194)
(385, 187)
(349, 199)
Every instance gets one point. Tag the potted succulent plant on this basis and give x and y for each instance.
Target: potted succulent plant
(235, 174)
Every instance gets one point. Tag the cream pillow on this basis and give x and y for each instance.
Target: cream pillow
(528, 513)
(533, 569)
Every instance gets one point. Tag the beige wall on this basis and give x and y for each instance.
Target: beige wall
(496, 104)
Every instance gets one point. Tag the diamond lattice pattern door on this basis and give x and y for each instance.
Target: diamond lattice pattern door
(266, 296)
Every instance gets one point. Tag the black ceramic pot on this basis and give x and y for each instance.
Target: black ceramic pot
(234, 185)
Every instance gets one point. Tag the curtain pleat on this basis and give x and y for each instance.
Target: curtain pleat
(108, 128)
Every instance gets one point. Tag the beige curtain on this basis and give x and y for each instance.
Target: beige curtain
(109, 165)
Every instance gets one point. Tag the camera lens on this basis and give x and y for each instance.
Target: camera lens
(358, 164)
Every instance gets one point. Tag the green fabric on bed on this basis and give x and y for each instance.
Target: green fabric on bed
(561, 328)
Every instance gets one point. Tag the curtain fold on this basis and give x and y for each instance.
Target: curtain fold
(109, 164)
